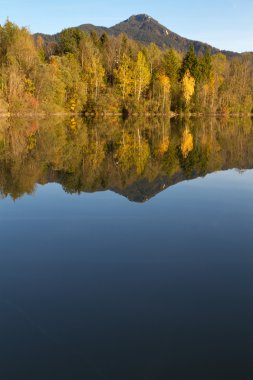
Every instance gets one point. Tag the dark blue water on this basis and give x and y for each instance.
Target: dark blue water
(93, 286)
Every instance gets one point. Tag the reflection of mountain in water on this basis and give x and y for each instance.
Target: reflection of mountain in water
(143, 190)
(137, 159)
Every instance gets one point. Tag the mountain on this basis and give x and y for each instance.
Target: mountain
(145, 29)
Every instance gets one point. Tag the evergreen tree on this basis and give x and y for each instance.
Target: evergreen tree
(171, 64)
(190, 63)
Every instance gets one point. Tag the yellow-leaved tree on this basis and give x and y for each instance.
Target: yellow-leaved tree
(123, 75)
(188, 86)
(141, 75)
(94, 74)
(164, 80)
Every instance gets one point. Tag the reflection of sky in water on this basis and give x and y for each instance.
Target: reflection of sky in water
(93, 286)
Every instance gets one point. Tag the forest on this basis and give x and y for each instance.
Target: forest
(94, 74)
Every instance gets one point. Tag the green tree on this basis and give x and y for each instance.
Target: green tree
(190, 63)
(206, 67)
(69, 40)
(171, 65)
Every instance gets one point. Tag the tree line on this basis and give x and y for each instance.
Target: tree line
(85, 72)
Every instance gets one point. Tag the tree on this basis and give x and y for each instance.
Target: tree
(18, 48)
(141, 75)
(94, 76)
(166, 86)
(205, 67)
(40, 45)
(86, 50)
(171, 65)
(153, 54)
(69, 40)
(71, 76)
(188, 86)
(190, 63)
(50, 90)
(104, 40)
(123, 76)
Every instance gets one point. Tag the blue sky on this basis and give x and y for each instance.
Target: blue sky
(226, 24)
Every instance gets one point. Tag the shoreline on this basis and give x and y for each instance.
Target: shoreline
(121, 114)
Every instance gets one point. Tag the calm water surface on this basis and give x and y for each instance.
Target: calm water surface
(95, 286)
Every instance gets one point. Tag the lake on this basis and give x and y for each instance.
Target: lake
(126, 249)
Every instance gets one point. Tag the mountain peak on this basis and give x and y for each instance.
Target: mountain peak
(140, 18)
(145, 29)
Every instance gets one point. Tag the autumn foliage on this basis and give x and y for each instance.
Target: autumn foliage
(91, 73)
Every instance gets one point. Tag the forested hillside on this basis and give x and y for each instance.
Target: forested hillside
(85, 72)
(144, 29)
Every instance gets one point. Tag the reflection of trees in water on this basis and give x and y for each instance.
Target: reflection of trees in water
(118, 155)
